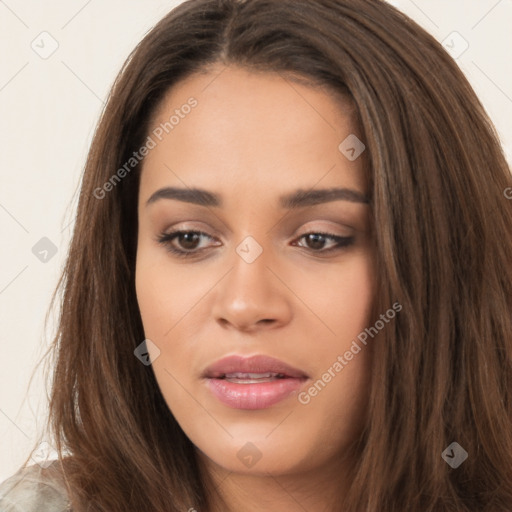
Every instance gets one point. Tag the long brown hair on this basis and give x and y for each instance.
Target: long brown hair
(442, 372)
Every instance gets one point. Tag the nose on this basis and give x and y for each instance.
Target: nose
(252, 296)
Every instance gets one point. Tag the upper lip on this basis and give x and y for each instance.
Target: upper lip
(253, 364)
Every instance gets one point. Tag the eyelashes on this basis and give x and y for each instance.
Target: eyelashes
(167, 240)
(183, 236)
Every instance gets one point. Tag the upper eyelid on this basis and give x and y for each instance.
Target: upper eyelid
(314, 229)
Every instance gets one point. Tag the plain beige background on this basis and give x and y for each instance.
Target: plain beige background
(49, 104)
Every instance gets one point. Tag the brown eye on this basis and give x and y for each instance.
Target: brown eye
(188, 239)
(184, 242)
(316, 242)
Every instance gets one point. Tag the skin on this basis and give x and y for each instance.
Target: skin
(251, 138)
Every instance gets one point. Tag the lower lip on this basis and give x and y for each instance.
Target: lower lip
(253, 396)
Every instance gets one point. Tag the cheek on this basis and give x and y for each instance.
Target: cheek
(170, 301)
(163, 302)
(341, 298)
(165, 294)
(352, 294)
(341, 384)
(349, 311)
(152, 297)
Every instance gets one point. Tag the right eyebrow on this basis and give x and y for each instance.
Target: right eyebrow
(188, 195)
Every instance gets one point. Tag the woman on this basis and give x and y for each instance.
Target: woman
(288, 285)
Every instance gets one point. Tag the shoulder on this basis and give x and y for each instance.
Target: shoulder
(34, 489)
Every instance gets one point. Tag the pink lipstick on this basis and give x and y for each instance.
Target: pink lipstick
(255, 382)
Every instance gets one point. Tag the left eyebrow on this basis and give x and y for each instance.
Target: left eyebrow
(298, 199)
(301, 197)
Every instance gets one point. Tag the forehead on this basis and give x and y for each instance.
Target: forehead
(253, 128)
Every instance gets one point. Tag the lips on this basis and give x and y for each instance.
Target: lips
(255, 382)
(261, 365)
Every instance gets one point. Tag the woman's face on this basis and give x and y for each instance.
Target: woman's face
(258, 278)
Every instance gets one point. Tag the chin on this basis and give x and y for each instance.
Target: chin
(278, 454)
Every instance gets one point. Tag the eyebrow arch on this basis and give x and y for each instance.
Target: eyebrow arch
(301, 197)
(297, 199)
(188, 195)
